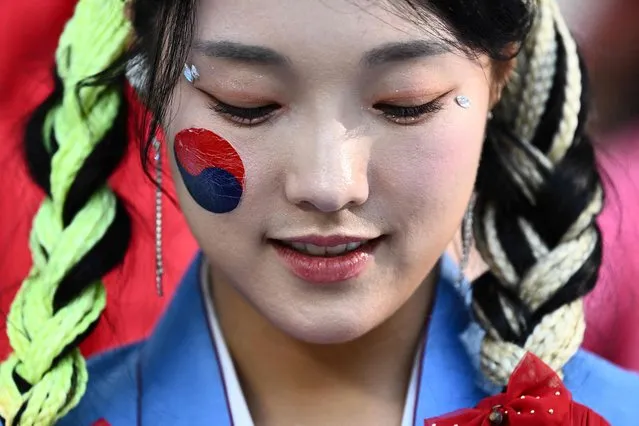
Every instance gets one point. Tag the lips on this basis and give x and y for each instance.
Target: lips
(326, 251)
(323, 260)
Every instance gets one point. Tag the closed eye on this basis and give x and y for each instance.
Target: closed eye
(399, 114)
(408, 114)
(244, 116)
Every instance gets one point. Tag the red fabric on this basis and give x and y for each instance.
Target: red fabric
(33, 29)
(535, 395)
(101, 422)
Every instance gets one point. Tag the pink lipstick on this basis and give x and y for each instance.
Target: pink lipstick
(325, 260)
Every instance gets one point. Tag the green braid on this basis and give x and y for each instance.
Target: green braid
(92, 40)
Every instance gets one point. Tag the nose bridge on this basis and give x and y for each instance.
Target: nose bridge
(329, 167)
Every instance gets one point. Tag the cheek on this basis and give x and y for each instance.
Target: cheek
(428, 176)
(212, 170)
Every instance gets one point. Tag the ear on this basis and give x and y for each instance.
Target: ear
(502, 70)
(501, 73)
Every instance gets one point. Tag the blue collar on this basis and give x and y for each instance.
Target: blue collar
(180, 373)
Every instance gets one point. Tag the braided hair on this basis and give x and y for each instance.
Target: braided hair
(537, 191)
(538, 194)
(73, 142)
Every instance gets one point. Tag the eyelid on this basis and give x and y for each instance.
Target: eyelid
(407, 115)
(251, 116)
(239, 100)
(243, 116)
(410, 115)
(413, 99)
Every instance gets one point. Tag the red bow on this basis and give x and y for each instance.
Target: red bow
(535, 396)
(101, 422)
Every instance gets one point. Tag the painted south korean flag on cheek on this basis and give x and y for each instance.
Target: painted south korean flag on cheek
(211, 168)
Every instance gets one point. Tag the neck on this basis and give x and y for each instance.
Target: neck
(284, 378)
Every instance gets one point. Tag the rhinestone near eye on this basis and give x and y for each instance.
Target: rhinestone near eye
(463, 101)
(194, 72)
(188, 74)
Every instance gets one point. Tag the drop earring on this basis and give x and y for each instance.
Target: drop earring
(463, 101)
(159, 267)
(467, 240)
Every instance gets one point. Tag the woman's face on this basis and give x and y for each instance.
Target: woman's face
(344, 117)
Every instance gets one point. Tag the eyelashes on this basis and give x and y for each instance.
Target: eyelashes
(409, 114)
(244, 116)
(398, 114)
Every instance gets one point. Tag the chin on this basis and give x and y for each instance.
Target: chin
(325, 329)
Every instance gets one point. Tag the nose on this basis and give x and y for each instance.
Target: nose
(328, 170)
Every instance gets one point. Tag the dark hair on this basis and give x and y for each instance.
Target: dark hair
(537, 188)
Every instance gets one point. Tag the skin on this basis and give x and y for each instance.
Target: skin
(328, 162)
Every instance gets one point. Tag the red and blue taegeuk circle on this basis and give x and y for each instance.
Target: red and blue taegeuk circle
(211, 168)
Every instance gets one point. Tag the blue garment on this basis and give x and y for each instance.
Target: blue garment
(174, 378)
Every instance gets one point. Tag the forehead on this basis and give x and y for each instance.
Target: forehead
(339, 28)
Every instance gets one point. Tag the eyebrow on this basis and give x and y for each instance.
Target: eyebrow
(240, 52)
(261, 55)
(404, 51)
